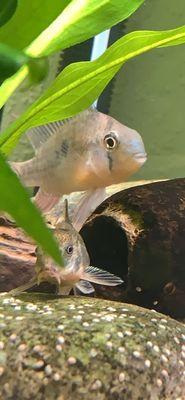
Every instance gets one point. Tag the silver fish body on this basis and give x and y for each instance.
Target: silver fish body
(76, 274)
(89, 151)
(85, 153)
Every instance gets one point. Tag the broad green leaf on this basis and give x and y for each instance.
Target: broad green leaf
(80, 20)
(7, 9)
(14, 200)
(80, 84)
(30, 19)
(11, 61)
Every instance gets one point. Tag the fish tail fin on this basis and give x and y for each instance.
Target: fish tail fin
(25, 286)
(96, 275)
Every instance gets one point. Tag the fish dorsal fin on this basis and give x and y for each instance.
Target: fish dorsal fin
(65, 217)
(66, 211)
(85, 287)
(96, 275)
(40, 134)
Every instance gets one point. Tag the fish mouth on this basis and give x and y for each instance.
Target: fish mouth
(140, 157)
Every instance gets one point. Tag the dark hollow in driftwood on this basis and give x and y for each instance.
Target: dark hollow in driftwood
(139, 234)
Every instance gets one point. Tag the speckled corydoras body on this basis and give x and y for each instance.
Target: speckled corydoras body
(77, 273)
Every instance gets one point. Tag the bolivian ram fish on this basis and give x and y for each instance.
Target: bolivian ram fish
(84, 153)
(76, 274)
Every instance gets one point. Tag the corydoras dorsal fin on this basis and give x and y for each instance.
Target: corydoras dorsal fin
(66, 211)
(65, 217)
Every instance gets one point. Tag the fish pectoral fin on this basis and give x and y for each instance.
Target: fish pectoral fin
(25, 286)
(96, 275)
(64, 290)
(88, 203)
(45, 201)
(85, 287)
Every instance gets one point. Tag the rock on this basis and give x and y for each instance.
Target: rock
(79, 348)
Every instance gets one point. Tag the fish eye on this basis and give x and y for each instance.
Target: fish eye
(69, 249)
(110, 141)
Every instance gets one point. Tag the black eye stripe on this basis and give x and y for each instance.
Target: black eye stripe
(110, 161)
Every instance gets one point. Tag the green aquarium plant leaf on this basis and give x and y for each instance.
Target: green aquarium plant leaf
(11, 61)
(7, 9)
(79, 21)
(15, 200)
(29, 20)
(79, 84)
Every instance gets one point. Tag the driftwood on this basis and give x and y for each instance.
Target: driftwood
(138, 233)
(17, 257)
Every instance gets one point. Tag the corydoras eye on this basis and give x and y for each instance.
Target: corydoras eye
(111, 141)
(69, 249)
